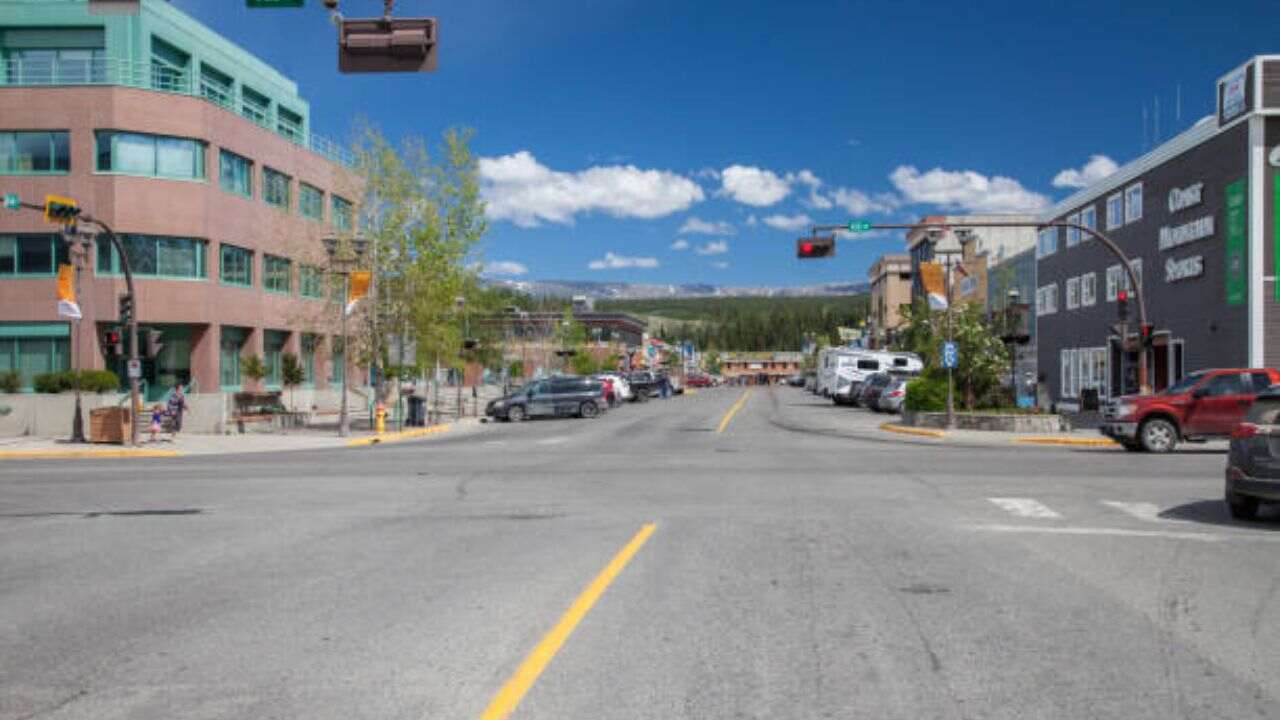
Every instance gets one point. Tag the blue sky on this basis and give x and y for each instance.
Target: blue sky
(608, 127)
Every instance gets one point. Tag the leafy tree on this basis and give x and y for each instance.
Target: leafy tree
(584, 363)
(711, 361)
(983, 356)
(252, 367)
(291, 375)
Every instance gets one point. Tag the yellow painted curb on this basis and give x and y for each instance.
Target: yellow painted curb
(690, 391)
(398, 436)
(1082, 442)
(923, 432)
(70, 454)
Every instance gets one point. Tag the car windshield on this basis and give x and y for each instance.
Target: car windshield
(1184, 384)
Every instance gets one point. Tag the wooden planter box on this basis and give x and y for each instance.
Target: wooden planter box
(108, 425)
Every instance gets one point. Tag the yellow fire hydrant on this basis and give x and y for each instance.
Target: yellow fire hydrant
(380, 418)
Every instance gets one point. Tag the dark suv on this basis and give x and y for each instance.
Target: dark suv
(553, 397)
(1253, 462)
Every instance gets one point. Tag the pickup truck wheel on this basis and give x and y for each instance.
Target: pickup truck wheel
(515, 413)
(588, 410)
(1158, 435)
(1242, 507)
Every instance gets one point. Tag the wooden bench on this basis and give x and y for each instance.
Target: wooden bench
(257, 407)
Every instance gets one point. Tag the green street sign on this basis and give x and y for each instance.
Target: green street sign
(276, 3)
(12, 202)
(859, 226)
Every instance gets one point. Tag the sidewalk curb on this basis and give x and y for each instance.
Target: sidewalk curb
(73, 454)
(904, 430)
(399, 436)
(1080, 442)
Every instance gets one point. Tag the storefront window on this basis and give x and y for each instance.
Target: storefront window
(273, 342)
(229, 357)
(34, 349)
(309, 344)
(338, 367)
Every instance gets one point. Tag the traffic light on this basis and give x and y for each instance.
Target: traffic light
(818, 246)
(59, 210)
(1148, 334)
(387, 45)
(112, 343)
(154, 344)
(126, 309)
(1122, 305)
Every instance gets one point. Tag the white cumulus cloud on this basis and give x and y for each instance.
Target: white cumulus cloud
(522, 190)
(753, 186)
(504, 267)
(1098, 167)
(715, 247)
(697, 226)
(965, 190)
(680, 245)
(860, 203)
(790, 223)
(610, 261)
(816, 200)
(720, 264)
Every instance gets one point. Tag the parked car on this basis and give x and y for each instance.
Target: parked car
(1203, 405)
(1253, 462)
(698, 381)
(892, 395)
(796, 380)
(871, 387)
(563, 396)
(620, 385)
(644, 385)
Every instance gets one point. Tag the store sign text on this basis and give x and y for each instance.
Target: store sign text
(1184, 269)
(1171, 238)
(1183, 198)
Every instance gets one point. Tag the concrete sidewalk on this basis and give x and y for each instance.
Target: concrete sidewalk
(34, 448)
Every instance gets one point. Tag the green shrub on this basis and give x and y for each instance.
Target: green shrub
(10, 381)
(95, 381)
(927, 393)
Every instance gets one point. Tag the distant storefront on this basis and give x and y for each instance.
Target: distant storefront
(1194, 215)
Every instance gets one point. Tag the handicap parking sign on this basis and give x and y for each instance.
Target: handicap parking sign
(950, 355)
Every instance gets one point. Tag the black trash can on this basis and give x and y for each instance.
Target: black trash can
(417, 414)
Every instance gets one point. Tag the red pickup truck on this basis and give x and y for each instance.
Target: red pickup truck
(1202, 405)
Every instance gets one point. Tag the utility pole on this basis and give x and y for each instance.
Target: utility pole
(947, 256)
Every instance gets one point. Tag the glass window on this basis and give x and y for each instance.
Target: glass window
(275, 187)
(216, 86)
(168, 67)
(1073, 234)
(35, 152)
(1047, 299)
(255, 106)
(41, 353)
(341, 214)
(237, 266)
(1226, 384)
(310, 202)
(1115, 211)
(309, 344)
(1047, 241)
(31, 255)
(276, 274)
(1073, 293)
(1133, 203)
(150, 155)
(289, 124)
(1260, 381)
(338, 366)
(229, 357)
(235, 173)
(1089, 219)
(310, 281)
(1088, 289)
(155, 256)
(55, 66)
(1113, 282)
(273, 342)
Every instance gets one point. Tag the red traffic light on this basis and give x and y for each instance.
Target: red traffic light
(1122, 296)
(818, 246)
(112, 337)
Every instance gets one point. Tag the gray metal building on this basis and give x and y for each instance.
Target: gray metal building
(1197, 217)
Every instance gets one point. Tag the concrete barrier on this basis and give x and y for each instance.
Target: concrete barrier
(1012, 423)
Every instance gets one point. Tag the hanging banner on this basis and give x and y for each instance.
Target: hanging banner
(358, 289)
(933, 280)
(67, 306)
(1237, 261)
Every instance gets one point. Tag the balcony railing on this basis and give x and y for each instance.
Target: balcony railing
(144, 75)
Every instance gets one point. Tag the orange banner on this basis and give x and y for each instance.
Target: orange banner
(358, 289)
(67, 306)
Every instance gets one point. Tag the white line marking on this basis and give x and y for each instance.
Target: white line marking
(1024, 507)
(553, 441)
(1141, 510)
(1125, 532)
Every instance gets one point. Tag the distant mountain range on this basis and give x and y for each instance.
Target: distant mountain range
(637, 291)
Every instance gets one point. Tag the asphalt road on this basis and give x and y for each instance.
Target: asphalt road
(788, 574)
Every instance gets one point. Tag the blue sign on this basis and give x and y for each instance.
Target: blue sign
(950, 355)
(12, 202)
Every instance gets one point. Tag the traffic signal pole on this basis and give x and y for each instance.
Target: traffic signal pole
(1144, 386)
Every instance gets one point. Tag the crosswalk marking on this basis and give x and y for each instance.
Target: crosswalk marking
(554, 440)
(1024, 507)
(1141, 510)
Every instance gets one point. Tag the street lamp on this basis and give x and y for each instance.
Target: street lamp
(344, 258)
(1014, 335)
(78, 251)
(460, 304)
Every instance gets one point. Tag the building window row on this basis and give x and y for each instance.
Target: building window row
(1118, 280)
(1122, 208)
(160, 156)
(155, 256)
(35, 152)
(1082, 291)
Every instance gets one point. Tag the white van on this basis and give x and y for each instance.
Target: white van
(830, 360)
(865, 363)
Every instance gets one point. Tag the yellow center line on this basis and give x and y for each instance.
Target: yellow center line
(510, 695)
(733, 411)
